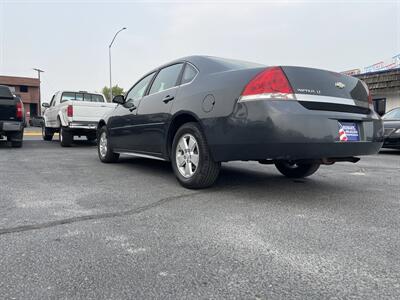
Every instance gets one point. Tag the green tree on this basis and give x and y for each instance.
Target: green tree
(116, 90)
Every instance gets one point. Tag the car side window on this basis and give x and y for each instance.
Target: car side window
(166, 78)
(138, 90)
(52, 100)
(189, 74)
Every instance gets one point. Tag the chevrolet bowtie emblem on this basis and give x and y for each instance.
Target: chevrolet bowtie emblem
(340, 85)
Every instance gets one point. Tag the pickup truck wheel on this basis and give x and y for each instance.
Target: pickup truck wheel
(47, 133)
(191, 158)
(293, 170)
(104, 148)
(65, 137)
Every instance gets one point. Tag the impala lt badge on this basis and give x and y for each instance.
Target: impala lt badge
(340, 85)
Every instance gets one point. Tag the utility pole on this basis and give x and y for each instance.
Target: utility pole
(109, 57)
(40, 97)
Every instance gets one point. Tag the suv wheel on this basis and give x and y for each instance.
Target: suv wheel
(191, 159)
(47, 133)
(104, 149)
(293, 170)
(65, 137)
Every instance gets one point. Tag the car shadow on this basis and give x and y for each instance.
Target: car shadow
(390, 151)
(83, 143)
(54, 143)
(4, 144)
(146, 165)
(235, 178)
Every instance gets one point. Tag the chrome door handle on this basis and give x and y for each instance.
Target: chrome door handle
(168, 98)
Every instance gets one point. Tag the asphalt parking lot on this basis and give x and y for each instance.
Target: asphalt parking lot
(72, 227)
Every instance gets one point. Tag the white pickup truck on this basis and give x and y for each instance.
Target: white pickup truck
(73, 114)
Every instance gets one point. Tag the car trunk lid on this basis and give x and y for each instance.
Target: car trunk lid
(325, 90)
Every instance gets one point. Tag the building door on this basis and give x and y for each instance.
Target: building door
(34, 109)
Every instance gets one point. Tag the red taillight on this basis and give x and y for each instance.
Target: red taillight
(20, 113)
(370, 102)
(70, 111)
(269, 84)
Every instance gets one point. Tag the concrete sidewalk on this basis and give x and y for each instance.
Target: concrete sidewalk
(34, 131)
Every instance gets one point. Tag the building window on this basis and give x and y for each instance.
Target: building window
(23, 88)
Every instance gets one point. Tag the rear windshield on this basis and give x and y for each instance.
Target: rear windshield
(233, 64)
(5, 92)
(72, 96)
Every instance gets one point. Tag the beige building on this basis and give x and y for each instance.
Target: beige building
(384, 87)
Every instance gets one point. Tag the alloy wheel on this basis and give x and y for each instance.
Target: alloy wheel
(187, 155)
(103, 144)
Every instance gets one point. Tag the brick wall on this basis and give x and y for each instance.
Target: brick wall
(29, 97)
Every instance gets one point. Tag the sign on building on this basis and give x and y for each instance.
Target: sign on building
(387, 64)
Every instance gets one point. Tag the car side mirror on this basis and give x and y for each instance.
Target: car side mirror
(120, 99)
(380, 106)
(45, 105)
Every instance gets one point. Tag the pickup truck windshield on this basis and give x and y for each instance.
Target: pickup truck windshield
(81, 97)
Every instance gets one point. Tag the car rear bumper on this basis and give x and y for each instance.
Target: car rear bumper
(287, 130)
(9, 126)
(392, 143)
(83, 125)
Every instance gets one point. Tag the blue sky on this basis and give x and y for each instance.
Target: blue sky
(69, 39)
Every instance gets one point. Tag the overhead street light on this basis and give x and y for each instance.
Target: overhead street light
(109, 55)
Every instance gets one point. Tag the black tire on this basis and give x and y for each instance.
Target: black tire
(16, 144)
(65, 137)
(207, 170)
(293, 170)
(109, 156)
(47, 133)
(19, 142)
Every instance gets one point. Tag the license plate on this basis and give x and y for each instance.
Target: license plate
(348, 132)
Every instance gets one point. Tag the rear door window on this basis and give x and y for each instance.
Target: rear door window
(167, 78)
